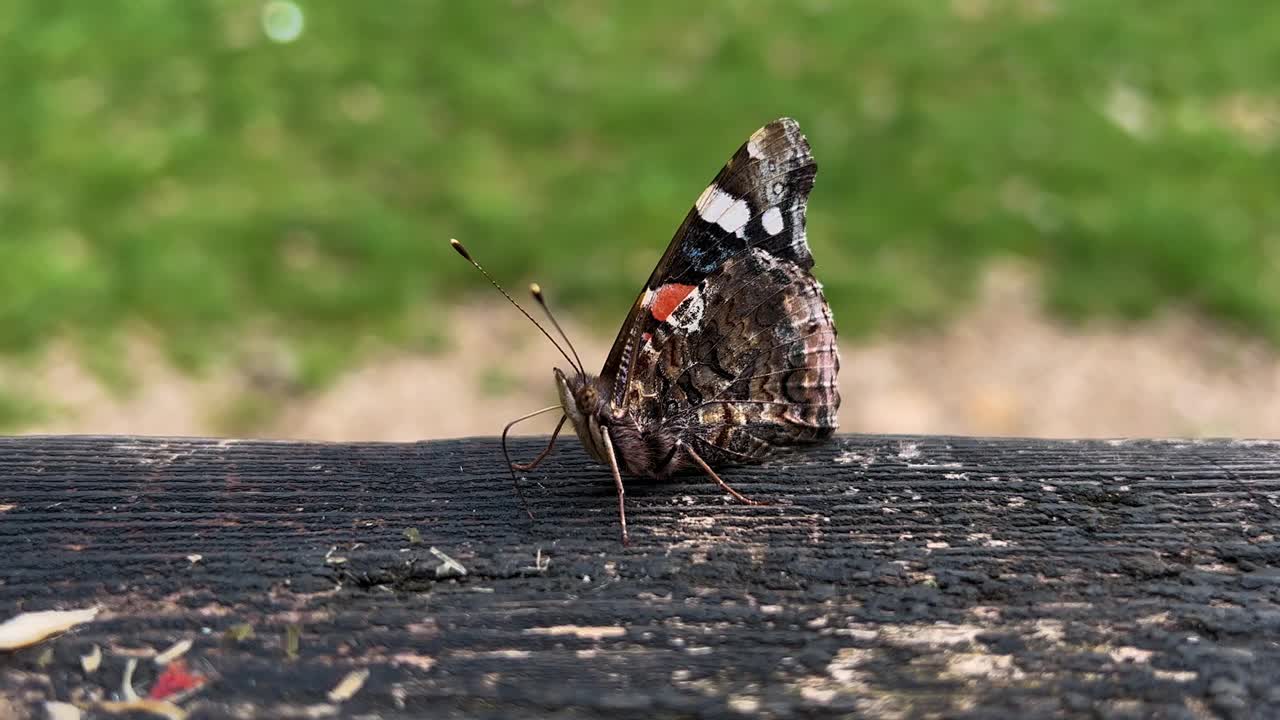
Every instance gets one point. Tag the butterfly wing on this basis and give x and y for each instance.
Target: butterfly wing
(730, 346)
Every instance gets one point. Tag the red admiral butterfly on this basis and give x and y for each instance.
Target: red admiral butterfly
(730, 351)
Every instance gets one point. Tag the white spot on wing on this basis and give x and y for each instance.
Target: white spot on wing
(753, 145)
(719, 207)
(798, 239)
(772, 221)
(688, 315)
(704, 198)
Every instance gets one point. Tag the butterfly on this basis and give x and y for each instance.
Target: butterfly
(728, 354)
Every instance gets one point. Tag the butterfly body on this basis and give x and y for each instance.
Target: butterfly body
(642, 449)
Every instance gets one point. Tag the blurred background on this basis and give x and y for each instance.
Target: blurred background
(1036, 217)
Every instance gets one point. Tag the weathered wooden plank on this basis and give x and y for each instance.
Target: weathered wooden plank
(896, 576)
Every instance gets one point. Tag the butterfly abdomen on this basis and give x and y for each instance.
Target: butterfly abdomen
(651, 452)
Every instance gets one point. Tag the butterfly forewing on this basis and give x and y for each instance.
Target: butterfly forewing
(769, 177)
(730, 346)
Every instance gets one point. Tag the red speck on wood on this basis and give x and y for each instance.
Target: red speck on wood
(176, 678)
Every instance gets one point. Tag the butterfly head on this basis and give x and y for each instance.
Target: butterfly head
(586, 408)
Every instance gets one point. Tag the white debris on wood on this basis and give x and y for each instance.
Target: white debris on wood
(448, 566)
(174, 652)
(30, 628)
(349, 686)
(62, 711)
(126, 683)
(92, 660)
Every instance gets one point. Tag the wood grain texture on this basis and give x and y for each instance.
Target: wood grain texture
(890, 576)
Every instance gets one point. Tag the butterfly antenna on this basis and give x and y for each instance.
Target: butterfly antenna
(536, 289)
(463, 252)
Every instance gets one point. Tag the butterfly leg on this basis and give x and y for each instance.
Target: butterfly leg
(617, 481)
(525, 467)
(707, 469)
(515, 482)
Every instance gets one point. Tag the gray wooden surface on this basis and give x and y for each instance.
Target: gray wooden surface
(890, 577)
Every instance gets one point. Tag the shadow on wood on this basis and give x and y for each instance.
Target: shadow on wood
(895, 576)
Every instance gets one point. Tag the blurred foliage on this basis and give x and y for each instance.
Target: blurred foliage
(18, 407)
(168, 166)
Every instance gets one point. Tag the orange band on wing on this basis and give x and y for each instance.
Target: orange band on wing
(666, 298)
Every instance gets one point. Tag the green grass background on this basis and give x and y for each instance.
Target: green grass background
(165, 165)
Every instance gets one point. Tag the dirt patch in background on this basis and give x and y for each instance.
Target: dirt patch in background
(1003, 368)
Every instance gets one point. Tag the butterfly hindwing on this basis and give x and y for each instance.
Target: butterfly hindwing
(731, 347)
(746, 365)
